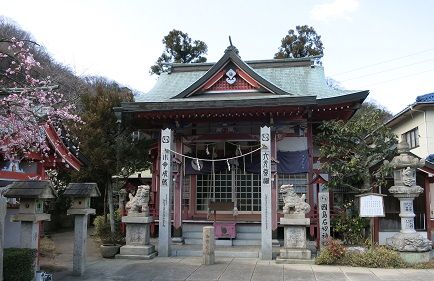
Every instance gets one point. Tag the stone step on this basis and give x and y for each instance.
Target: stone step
(194, 227)
(225, 242)
(191, 234)
(249, 228)
(246, 242)
(241, 228)
(218, 253)
(249, 235)
(240, 235)
(195, 241)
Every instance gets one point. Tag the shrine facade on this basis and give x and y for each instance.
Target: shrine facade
(227, 136)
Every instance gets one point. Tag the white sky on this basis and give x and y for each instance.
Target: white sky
(384, 46)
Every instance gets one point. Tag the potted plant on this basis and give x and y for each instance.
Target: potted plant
(110, 241)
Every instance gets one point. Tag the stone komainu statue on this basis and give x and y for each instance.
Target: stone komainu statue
(293, 204)
(138, 204)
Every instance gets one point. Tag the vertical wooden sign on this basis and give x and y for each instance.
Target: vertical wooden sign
(266, 230)
(164, 226)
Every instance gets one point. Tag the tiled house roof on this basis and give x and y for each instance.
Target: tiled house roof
(294, 77)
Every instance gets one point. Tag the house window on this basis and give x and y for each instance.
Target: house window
(248, 192)
(186, 191)
(247, 186)
(298, 180)
(412, 137)
(206, 193)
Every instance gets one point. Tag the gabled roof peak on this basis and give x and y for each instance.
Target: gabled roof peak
(240, 68)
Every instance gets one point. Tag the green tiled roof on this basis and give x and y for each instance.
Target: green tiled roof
(295, 80)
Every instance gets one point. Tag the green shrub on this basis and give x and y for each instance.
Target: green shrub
(349, 226)
(335, 253)
(375, 257)
(332, 253)
(18, 264)
(103, 231)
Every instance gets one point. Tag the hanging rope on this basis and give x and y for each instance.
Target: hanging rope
(213, 160)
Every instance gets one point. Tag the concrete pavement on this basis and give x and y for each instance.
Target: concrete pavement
(225, 269)
(236, 269)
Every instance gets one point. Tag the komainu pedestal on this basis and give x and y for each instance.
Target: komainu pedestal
(294, 223)
(138, 227)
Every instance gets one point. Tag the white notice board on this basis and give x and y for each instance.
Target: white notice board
(371, 205)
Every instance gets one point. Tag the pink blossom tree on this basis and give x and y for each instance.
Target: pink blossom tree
(27, 102)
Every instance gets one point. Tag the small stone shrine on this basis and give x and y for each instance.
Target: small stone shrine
(294, 222)
(412, 246)
(138, 223)
(81, 194)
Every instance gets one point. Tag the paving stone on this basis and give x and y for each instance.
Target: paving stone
(298, 272)
(328, 273)
(209, 272)
(239, 270)
(269, 272)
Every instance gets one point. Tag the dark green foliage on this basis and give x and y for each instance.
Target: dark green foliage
(103, 231)
(108, 147)
(349, 226)
(379, 256)
(179, 48)
(332, 253)
(18, 264)
(352, 152)
(303, 42)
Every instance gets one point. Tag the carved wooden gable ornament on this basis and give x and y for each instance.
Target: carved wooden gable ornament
(230, 75)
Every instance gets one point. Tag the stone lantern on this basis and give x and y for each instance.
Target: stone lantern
(32, 195)
(81, 194)
(411, 245)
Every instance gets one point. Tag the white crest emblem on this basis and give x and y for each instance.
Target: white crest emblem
(231, 76)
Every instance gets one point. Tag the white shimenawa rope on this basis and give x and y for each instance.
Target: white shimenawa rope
(213, 160)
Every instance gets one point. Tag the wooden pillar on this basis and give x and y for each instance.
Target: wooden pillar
(310, 166)
(192, 199)
(266, 214)
(427, 206)
(177, 206)
(166, 181)
(274, 189)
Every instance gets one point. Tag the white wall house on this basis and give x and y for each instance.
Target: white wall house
(416, 124)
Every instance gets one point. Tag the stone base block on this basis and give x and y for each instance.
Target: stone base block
(302, 254)
(208, 259)
(279, 260)
(141, 251)
(178, 240)
(295, 221)
(415, 257)
(409, 242)
(137, 257)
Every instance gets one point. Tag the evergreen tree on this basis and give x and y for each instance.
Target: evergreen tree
(303, 42)
(179, 48)
(352, 152)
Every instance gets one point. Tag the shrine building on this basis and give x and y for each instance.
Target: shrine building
(227, 136)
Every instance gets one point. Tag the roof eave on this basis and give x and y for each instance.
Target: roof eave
(401, 115)
(358, 96)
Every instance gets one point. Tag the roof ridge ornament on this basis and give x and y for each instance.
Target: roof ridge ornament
(231, 48)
